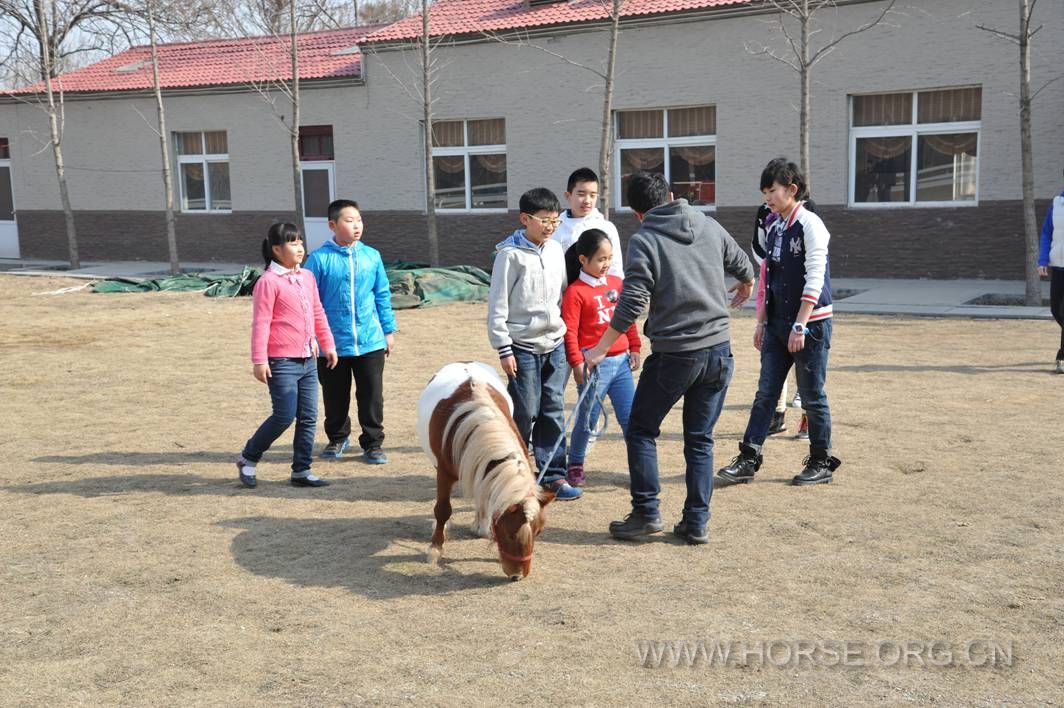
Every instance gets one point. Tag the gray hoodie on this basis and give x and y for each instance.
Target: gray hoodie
(525, 300)
(676, 264)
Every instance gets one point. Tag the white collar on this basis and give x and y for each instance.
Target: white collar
(281, 270)
(592, 280)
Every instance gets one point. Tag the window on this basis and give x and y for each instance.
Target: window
(681, 143)
(5, 151)
(469, 163)
(316, 142)
(917, 147)
(203, 164)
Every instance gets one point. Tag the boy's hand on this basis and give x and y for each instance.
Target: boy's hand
(633, 361)
(261, 372)
(389, 344)
(331, 359)
(509, 366)
(742, 292)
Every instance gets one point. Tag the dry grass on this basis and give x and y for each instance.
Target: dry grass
(135, 570)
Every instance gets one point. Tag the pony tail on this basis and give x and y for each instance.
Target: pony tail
(267, 251)
(572, 264)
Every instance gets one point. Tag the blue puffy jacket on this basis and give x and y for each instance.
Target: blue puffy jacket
(355, 294)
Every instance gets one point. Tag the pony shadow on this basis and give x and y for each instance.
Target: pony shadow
(410, 488)
(378, 558)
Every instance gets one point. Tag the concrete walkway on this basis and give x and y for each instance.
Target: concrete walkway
(873, 296)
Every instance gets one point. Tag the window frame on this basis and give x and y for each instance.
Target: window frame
(466, 151)
(664, 143)
(203, 159)
(912, 130)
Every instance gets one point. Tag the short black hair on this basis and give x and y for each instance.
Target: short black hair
(647, 190)
(540, 199)
(584, 174)
(279, 234)
(783, 172)
(339, 205)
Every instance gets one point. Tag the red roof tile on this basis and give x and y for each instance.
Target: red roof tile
(221, 62)
(455, 17)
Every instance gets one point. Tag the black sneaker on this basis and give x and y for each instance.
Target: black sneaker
(779, 423)
(695, 535)
(335, 449)
(818, 470)
(634, 526)
(743, 466)
(375, 456)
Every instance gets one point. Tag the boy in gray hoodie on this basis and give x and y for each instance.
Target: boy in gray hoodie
(525, 326)
(675, 268)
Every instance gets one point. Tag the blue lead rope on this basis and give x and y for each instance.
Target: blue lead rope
(590, 384)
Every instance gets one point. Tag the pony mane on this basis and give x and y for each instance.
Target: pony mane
(491, 461)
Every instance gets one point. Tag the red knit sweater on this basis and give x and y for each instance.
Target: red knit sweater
(587, 310)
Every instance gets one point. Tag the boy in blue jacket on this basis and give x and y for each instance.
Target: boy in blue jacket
(357, 299)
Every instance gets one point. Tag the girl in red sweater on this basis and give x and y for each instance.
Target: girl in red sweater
(288, 325)
(587, 307)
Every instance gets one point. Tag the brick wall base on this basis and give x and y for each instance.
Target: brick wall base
(976, 242)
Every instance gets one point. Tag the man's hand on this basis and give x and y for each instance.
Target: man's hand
(1043, 271)
(633, 361)
(509, 366)
(261, 372)
(594, 356)
(742, 292)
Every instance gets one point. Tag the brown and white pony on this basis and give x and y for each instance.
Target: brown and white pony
(465, 424)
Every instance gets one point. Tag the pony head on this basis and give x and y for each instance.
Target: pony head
(515, 531)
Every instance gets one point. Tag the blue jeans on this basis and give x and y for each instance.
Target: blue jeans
(701, 377)
(811, 368)
(293, 388)
(615, 380)
(538, 392)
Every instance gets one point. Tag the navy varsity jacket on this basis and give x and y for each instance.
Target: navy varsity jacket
(798, 266)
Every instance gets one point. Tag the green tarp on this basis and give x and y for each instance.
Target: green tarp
(412, 284)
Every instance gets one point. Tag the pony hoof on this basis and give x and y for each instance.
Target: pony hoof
(434, 555)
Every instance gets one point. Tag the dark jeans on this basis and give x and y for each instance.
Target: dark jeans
(811, 368)
(701, 377)
(1056, 302)
(368, 373)
(538, 392)
(293, 385)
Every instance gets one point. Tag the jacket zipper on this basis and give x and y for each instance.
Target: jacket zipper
(352, 262)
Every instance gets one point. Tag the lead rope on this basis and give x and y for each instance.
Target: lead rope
(591, 377)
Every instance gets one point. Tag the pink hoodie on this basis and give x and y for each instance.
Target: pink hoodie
(287, 315)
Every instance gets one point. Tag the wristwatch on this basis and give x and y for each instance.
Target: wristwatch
(799, 328)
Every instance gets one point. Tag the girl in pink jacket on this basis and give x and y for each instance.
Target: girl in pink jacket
(288, 326)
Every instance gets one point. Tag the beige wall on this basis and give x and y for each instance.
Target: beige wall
(552, 111)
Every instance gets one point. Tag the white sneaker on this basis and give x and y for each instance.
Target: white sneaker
(1060, 366)
(797, 402)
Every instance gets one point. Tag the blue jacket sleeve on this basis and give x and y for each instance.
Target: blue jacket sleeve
(382, 294)
(1047, 237)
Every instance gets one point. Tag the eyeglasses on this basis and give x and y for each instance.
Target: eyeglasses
(545, 222)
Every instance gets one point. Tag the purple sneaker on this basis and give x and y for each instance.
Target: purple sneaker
(575, 475)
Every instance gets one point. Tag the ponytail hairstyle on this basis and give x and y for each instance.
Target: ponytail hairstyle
(279, 234)
(587, 245)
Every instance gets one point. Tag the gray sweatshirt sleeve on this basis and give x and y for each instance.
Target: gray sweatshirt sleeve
(640, 273)
(499, 305)
(736, 262)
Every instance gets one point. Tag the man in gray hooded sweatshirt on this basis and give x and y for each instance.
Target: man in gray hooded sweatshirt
(675, 266)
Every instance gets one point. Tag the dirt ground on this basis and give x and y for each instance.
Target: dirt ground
(136, 570)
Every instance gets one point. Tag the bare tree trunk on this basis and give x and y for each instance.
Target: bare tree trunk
(805, 112)
(164, 147)
(1033, 289)
(56, 132)
(606, 146)
(355, 3)
(297, 172)
(430, 177)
